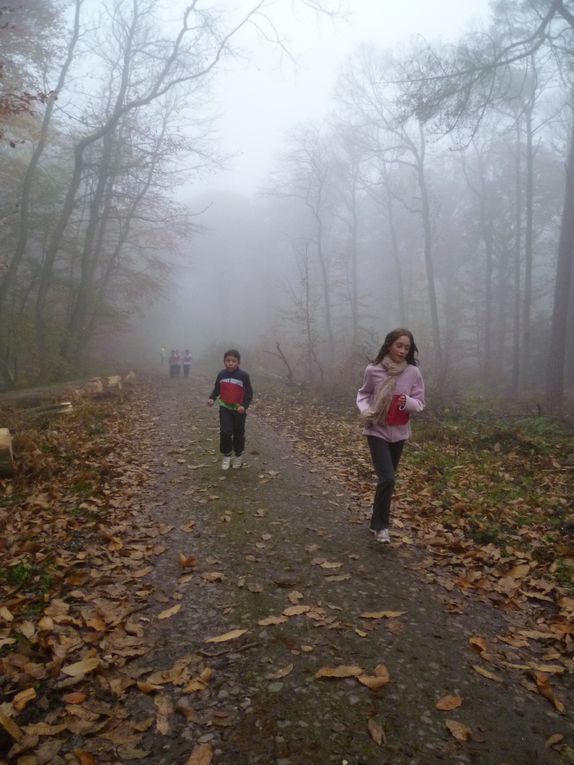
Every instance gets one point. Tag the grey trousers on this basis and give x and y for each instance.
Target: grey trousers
(385, 457)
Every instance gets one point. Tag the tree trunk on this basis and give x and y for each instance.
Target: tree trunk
(427, 228)
(558, 336)
(27, 185)
(354, 263)
(75, 337)
(528, 244)
(516, 355)
(395, 246)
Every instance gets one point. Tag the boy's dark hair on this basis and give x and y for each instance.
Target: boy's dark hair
(232, 352)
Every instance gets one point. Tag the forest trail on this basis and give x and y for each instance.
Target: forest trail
(249, 618)
(275, 541)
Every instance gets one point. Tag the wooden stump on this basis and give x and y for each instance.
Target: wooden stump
(6, 455)
(94, 386)
(114, 383)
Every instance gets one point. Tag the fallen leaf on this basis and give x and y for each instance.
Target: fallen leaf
(338, 672)
(272, 620)
(22, 699)
(281, 673)
(77, 697)
(382, 614)
(338, 578)
(187, 561)
(487, 673)
(296, 610)
(554, 739)
(448, 703)
(545, 689)
(376, 731)
(81, 667)
(295, 596)
(213, 576)
(128, 753)
(11, 728)
(164, 712)
(480, 644)
(458, 730)
(233, 635)
(168, 613)
(550, 669)
(202, 755)
(84, 758)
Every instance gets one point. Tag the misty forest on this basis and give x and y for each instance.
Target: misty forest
(157, 606)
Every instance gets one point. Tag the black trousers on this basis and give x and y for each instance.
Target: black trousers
(186, 370)
(385, 457)
(231, 431)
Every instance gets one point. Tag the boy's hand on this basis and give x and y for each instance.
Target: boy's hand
(210, 402)
(240, 410)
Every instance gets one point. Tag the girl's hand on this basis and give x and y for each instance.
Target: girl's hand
(210, 402)
(402, 401)
(240, 410)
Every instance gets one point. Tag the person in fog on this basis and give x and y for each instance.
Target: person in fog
(186, 363)
(173, 364)
(177, 362)
(233, 392)
(392, 389)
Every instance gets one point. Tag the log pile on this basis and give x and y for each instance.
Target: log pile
(38, 414)
(6, 455)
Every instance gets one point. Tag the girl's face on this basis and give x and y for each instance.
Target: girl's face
(399, 350)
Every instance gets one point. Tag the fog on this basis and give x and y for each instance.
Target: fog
(257, 101)
(300, 173)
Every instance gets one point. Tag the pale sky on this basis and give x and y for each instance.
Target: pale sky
(260, 101)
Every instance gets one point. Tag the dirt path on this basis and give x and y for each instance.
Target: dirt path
(275, 535)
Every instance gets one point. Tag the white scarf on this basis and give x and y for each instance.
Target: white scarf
(384, 395)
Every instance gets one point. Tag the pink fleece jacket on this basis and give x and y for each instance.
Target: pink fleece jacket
(410, 382)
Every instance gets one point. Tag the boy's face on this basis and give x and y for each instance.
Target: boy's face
(231, 363)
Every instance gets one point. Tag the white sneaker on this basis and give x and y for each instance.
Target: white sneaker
(226, 462)
(236, 462)
(382, 535)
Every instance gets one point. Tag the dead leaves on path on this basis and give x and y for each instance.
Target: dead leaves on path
(487, 517)
(76, 556)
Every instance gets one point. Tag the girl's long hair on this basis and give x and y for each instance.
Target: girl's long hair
(390, 339)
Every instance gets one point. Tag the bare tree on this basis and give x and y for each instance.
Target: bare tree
(458, 89)
(402, 142)
(306, 172)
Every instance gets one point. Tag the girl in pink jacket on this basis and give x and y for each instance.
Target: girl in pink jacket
(392, 388)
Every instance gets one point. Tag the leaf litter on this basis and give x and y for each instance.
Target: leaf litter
(101, 631)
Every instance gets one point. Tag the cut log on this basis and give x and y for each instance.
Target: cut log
(114, 383)
(49, 410)
(95, 385)
(6, 455)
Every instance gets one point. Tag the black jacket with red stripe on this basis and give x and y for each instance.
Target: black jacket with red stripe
(232, 388)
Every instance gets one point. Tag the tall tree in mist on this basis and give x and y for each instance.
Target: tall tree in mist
(106, 156)
(28, 35)
(372, 104)
(458, 89)
(306, 173)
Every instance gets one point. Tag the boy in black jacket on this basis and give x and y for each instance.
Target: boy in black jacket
(233, 392)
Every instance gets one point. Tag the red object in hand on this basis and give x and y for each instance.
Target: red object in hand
(397, 415)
